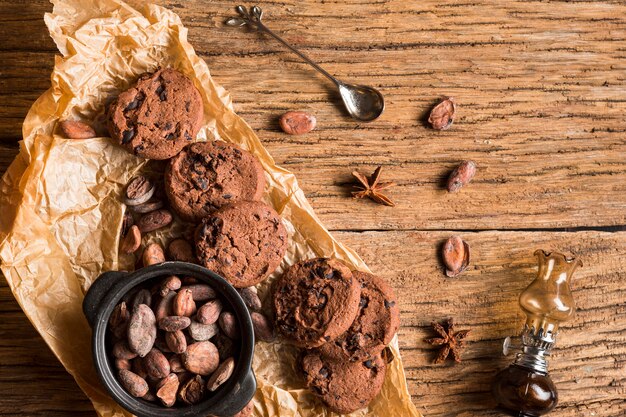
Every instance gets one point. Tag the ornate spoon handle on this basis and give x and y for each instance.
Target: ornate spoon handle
(253, 20)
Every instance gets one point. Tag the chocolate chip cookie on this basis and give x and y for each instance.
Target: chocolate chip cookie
(243, 242)
(315, 301)
(158, 116)
(376, 322)
(208, 175)
(344, 386)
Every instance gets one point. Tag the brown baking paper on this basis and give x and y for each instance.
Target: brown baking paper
(60, 199)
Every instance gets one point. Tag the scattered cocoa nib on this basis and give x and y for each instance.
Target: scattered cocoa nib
(132, 241)
(442, 115)
(73, 129)
(154, 220)
(372, 187)
(456, 255)
(297, 122)
(462, 175)
(450, 342)
(139, 190)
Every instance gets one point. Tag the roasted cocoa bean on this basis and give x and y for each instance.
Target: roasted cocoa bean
(154, 220)
(251, 298)
(184, 304)
(148, 206)
(176, 364)
(199, 331)
(225, 346)
(173, 323)
(164, 307)
(143, 296)
(132, 241)
(221, 374)
(263, 328)
(176, 341)
(139, 190)
(442, 115)
(167, 388)
(193, 391)
(462, 175)
(73, 129)
(123, 364)
(228, 324)
(180, 250)
(153, 254)
(456, 255)
(209, 312)
(297, 122)
(201, 358)
(142, 330)
(171, 283)
(156, 364)
(133, 383)
(121, 350)
(161, 343)
(201, 292)
(127, 223)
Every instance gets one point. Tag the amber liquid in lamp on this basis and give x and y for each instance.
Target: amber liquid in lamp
(525, 388)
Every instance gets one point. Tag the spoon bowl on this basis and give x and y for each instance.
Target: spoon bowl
(362, 102)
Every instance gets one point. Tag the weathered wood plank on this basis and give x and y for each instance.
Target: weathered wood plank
(588, 366)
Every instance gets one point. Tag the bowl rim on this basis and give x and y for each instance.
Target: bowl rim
(105, 367)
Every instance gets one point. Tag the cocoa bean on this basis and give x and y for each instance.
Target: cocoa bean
(132, 241)
(456, 255)
(297, 122)
(153, 254)
(127, 223)
(173, 323)
(221, 374)
(189, 280)
(167, 389)
(171, 283)
(139, 190)
(161, 342)
(176, 364)
(118, 322)
(263, 328)
(201, 358)
(201, 292)
(133, 383)
(148, 206)
(209, 312)
(73, 129)
(184, 304)
(180, 250)
(142, 330)
(251, 298)
(123, 364)
(442, 115)
(199, 331)
(193, 391)
(228, 324)
(462, 175)
(164, 307)
(142, 297)
(149, 397)
(176, 341)
(225, 346)
(121, 350)
(154, 220)
(156, 364)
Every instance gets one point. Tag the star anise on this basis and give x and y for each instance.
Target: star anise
(450, 341)
(372, 187)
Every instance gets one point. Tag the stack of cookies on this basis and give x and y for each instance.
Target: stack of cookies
(344, 319)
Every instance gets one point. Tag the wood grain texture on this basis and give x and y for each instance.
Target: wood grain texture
(540, 87)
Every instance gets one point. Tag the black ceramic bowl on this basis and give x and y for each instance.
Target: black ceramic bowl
(108, 290)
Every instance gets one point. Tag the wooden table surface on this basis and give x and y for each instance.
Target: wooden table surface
(541, 93)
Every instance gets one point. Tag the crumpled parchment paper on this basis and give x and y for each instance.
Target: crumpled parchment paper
(61, 209)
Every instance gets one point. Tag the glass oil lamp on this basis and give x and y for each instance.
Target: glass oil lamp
(525, 388)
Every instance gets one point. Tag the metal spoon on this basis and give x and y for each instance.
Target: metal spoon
(362, 103)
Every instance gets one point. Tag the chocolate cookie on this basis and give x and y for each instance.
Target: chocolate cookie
(344, 386)
(158, 116)
(315, 301)
(208, 175)
(243, 242)
(376, 322)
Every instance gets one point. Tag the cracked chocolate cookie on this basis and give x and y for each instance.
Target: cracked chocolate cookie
(315, 301)
(376, 322)
(344, 386)
(158, 116)
(243, 242)
(208, 175)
